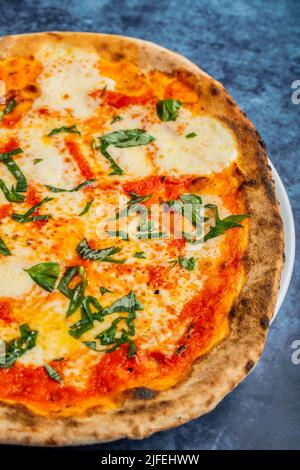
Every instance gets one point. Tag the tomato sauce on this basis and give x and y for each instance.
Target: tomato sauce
(5, 311)
(119, 100)
(81, 162)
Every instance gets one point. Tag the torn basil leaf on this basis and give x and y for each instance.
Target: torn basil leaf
(10, 106)
(139, 254)
(53, 189)
(53, 374)
(3, 248)
(116, 119)
(76, 294)
(37, 160)
(133, 205)
(187, 263)
(86, 207)
(65, 129)
(28, 216)
(222, 225)
(18, 346)
(104, 290)
(88, 317)
(167, 110)
(44, 274)
(105, 254)
(191, 135)
(127, 138)
(128, 303)
(115, 169)
(122, 139)
(11, 194)
(13, 168)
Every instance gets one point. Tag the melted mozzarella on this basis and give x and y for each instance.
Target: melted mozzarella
(211, 150)
(69, 76)
(15, 282)
(53, 169)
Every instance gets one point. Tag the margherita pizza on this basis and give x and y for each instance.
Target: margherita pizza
(140, 238)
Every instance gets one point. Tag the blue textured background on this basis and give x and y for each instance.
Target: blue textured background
(253, 48)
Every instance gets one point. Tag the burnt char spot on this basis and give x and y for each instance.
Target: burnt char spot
(31, 88)
(118, 56)
(214, 90)
(265, 323)
(251, 182)
(144, 393)
(22, 415)
(249, 366)
(283, 257)
(244, 302)
(232, 312)
(51, 442)
(209, 401)
(230, 101)
(72, 423)
(270, 190)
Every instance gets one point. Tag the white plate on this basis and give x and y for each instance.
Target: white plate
(289, 237)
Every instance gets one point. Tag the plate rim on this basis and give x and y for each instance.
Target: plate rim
(289, 237)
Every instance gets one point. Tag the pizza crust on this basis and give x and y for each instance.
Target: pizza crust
(145, 411)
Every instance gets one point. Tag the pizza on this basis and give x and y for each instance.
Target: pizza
(140, 238)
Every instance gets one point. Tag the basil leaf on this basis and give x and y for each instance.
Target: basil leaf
(122, 139)
(53, 374)
(116, 119)
(167, 110)
(77, 294)
(18, 346)
(11, 105)
(128, 303)
(191, 135)
(88, 317)
(11, 194)
(187, 263)
(222, 225)
(86, 252)
(53, 189)
(65, 129)
(139, 254)
(115, 169)
(13, 168)
(86, 207)
(37, 160)
(127, 138)
(44, 274)
(28, 217)
(191, 199)
(104, 290)
(189, 206)
(133, 205)
(63, 285)
(3, 248)
(109, 336)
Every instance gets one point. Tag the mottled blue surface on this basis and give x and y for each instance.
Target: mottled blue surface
(253, 49)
